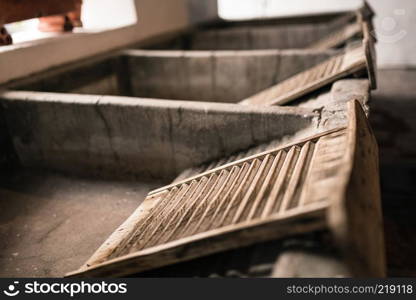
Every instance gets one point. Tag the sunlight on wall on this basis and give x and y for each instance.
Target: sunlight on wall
(97, 15)
(105, 14)
(248, 9)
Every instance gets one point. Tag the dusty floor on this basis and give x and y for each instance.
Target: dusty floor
(50, 224)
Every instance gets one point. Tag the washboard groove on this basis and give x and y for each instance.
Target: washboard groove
(352, 62)
(339, 37)
(252, 189)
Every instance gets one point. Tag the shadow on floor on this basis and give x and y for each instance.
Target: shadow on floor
(393, 118)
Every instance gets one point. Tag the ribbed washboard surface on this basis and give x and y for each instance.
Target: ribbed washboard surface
(337, 67)
(252, 189)
(263, 197)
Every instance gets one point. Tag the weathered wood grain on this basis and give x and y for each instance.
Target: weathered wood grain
(279, 161)
(210, 242)
(353, 61)
(355, 215)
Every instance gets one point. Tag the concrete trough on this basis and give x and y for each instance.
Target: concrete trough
(66, 155)
(215, 76)
(282, 33)
(152, 139)
(123, 137)
(97, 135)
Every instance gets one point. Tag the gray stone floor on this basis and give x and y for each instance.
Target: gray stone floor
(51, 224)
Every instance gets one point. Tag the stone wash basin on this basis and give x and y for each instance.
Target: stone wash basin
(66, 155)
(228, 76)
(290, 33)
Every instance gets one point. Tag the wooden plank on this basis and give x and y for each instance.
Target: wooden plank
(353, 61)
(245, 157)
(211, 242)
(13, 11)
(339, 37)
(369, 41)
(366, 11)
(270, 195)
(122, 232)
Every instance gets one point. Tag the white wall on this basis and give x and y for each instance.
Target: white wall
(104, 14)
(395, 27)
(243, 9)
(395, 22)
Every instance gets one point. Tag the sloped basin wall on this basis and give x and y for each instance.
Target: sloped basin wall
(176, 75)
(293, 33)
(120, 137)
(215, 76)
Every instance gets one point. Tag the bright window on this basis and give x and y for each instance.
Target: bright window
(97, 15)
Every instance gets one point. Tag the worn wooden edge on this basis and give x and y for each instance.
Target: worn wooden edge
(350, 70)
(366, 14)
(355, 216)
(296, 221)
(125, 229)
(366, 10)
(165, 254)
(370, 54)
(348, 32)
(121, 233)
(347, 69)
(370, 25)
(259, 155)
